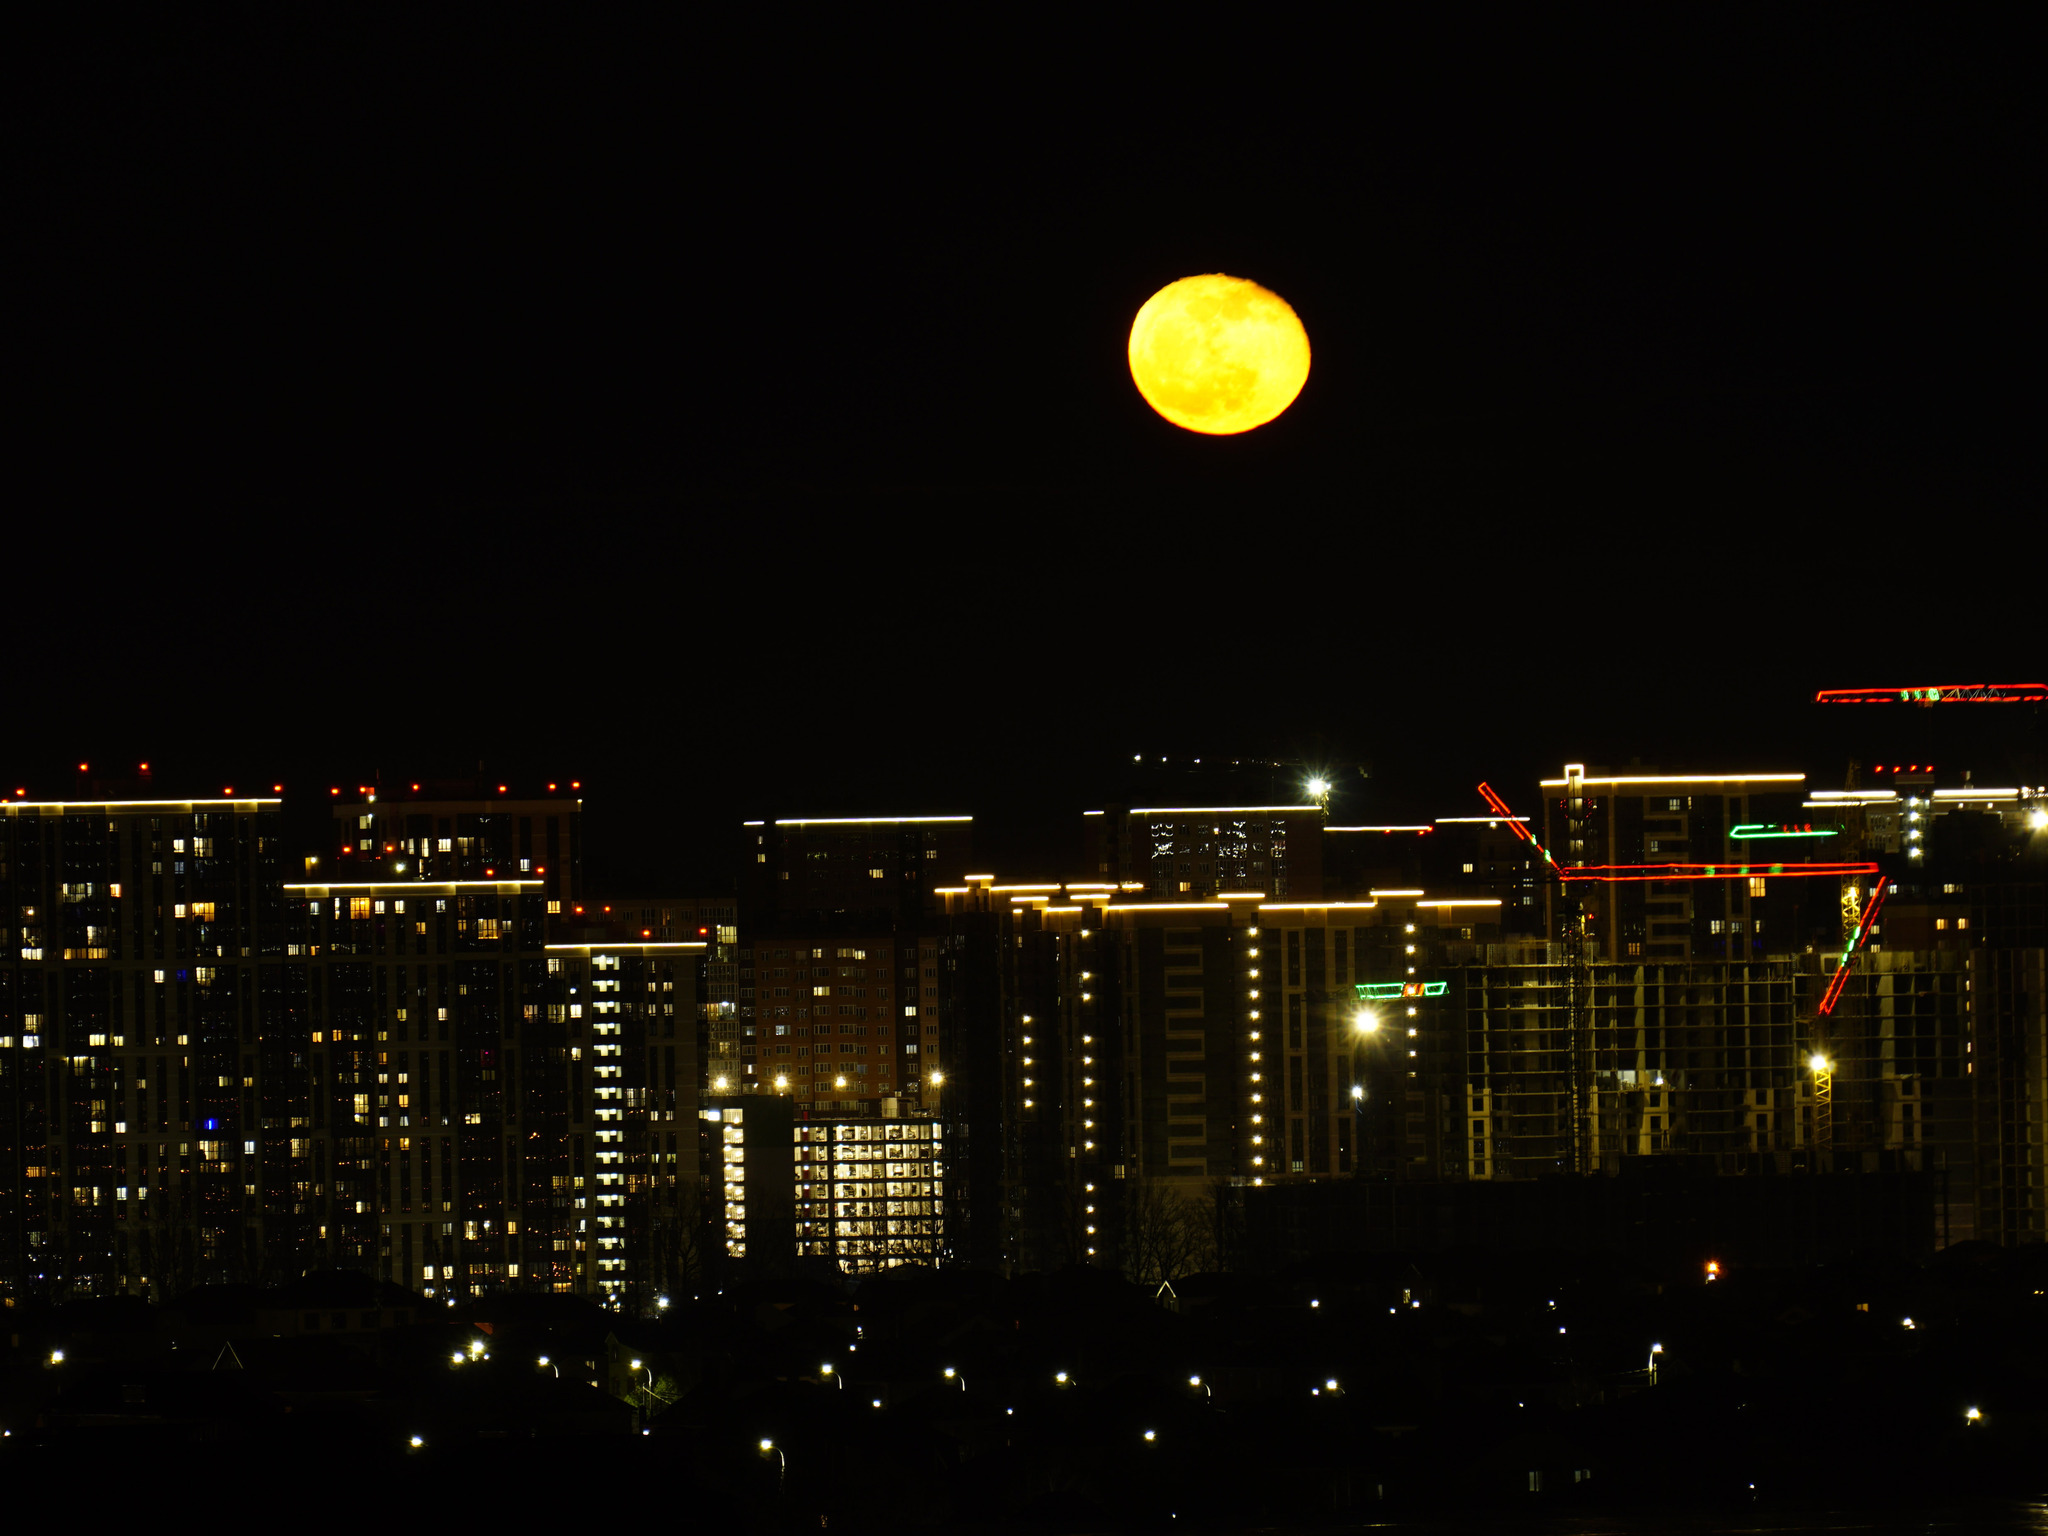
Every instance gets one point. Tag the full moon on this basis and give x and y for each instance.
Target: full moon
(1218, 354)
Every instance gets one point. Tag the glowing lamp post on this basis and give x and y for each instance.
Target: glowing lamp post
(1365, 1026)
(770, 1448)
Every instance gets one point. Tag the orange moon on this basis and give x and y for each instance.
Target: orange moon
(1218, 354)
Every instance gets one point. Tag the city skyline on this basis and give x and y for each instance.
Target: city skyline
(721, 772)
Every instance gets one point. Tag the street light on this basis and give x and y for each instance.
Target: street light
(781, 1462)
(1365, 1025)
(56, 1357)
(1196, 1381)
(1655, 1351)
(1973, 1416)
(1060, 1377)
(952, 1375)
(826, 1370)
(547, 1364)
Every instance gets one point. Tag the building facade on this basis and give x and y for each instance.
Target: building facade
(151, 1116)
(470, 831)
(1196, 851)
(870, 1192)
(823, 872)
(837, 1019)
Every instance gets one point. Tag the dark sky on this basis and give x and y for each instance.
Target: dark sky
(740, 414)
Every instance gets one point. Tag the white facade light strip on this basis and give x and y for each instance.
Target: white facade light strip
(1216, 810)
(860, 821)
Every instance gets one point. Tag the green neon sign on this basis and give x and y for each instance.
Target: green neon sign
(1380, 991)
(1757, 830)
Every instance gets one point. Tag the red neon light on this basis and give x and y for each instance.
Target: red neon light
(1954, 693)
(1611, 873)
(1863, 927)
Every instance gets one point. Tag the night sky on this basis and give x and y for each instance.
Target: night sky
(741, 416)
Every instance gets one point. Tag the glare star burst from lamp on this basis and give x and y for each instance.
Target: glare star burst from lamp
(1218, 355)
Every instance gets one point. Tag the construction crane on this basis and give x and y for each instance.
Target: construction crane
(1578, 959)
(1822, 1064)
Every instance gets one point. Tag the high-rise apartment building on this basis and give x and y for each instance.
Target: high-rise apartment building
(1197, 851)
(1720, 820)
(1483, 856)
(748, 1155)
(469, 831)
(144, 994)
(723, 1001)
(829, 871)
(609, 1170)
(214, 1073)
